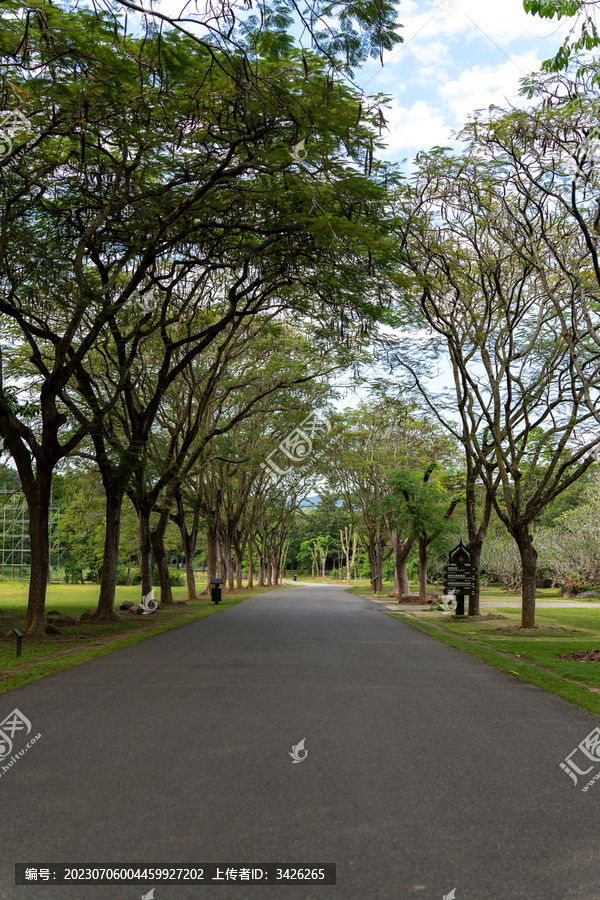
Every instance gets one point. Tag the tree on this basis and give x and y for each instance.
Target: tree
(574, 542)
(370, 443)
(423, 506)
(349, 542)
(318, 549)
(523, 409)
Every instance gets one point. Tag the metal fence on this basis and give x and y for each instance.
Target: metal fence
(15, 549)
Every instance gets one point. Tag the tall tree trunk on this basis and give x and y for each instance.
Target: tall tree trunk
(423, 569)
(239, 562)
(160, 555)
(145, 551)
(261, 562)
(375, 551)
(474, 547)
(372, 564)
(115, 491)
(189, 540)
(528, 555)
(401, 549)
(261, 571)
(250, 563)
(353, 562)
(379, 548)
(211, 563)
(190, 576)
(227, 562)
(221, 558)
(37, 495)
(476, 535)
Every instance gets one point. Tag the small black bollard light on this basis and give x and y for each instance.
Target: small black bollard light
(373, 580)
(19, 640)
(216, 589)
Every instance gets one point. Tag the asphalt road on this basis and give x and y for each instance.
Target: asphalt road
(426, 770)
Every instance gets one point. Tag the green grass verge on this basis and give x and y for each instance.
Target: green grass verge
(509, 652)
(80, 642)
(494, 592)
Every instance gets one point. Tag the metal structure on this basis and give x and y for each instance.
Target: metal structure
(15, 549)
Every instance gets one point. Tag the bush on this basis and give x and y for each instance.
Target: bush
(576, 586)
(175, 577)
(73, 572)
(122, 575)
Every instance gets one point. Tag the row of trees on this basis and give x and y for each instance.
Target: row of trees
(170, 269)
(502, 241)
(179, 285)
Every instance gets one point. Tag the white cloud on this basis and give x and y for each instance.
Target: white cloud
(414, 128)
(480, 86)
(473, 30)
(501, 22)
(429, 122)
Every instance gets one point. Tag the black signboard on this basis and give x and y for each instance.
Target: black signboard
(459, 576)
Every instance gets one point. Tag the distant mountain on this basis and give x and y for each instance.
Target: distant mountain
(310, 502)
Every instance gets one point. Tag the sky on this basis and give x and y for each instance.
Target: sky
(457, 56)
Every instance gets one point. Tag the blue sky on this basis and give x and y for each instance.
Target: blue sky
(457, 56)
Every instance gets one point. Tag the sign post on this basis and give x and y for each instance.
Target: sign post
(459, 576)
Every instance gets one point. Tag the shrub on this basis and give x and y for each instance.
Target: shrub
(121, 574)
(175, 577)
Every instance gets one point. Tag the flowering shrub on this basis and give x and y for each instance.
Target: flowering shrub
(574, 585)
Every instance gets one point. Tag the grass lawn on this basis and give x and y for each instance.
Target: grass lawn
(534, 656)
(42, 656)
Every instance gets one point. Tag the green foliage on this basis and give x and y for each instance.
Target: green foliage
(175, 577)
(547, 9)
(588, 38)
(421, 504)
(327, 518)
(570, 499)
(121, 575)
(81, 523)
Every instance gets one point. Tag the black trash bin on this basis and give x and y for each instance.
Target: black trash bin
(295, 578)
(215, 595)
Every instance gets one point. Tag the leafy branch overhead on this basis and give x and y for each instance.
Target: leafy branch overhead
(577, 43)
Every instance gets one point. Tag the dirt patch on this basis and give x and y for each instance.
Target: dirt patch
(489, 616)
(539, 629)
(583, 656)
